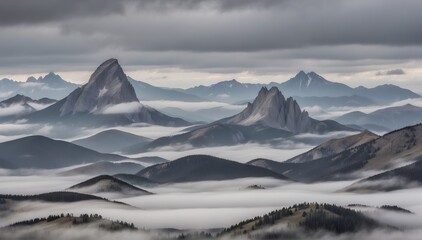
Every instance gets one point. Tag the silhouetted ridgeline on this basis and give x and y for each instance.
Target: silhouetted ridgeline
(82, 219)
(310, 217)
(53, 197)
(56, 197)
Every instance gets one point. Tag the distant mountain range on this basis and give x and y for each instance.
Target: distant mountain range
(305, 85)
(107, 99)
(19, 105)
(309, 89)
(51, 86)
(269, 116)
(389, 118)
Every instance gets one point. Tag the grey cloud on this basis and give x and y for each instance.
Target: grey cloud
(391, 72)
(212, 35)
(30, 12)
(40, 11)
(294, 25)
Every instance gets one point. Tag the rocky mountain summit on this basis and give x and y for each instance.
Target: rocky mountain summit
(271, 109)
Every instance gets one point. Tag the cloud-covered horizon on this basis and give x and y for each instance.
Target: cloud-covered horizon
(264, 40)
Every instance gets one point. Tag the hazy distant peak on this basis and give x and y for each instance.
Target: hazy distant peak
(31, 79)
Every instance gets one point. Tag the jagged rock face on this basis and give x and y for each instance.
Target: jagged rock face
(270, 108)
(108, 85)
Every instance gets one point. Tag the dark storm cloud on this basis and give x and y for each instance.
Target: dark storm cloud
(209, 26)
(209, 34)
(30, 12)
(391, 72)
(33, 12)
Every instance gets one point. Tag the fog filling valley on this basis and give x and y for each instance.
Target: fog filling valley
(210, 120)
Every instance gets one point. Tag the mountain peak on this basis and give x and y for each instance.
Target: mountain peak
(270, 108)
(51, 74)
(108, 85)
(31, 79)
(300, 74)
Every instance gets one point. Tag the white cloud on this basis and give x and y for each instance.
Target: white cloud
(192, 106)
(15, 109)
(240, 153)
(122, 108)
(210, 204)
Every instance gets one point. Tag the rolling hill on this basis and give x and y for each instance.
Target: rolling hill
(334, 146)
(408, 176)
(203, 168)
(110, 141)
(107, 184)
(47, 153)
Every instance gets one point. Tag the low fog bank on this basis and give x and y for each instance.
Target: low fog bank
(334, 112)
(14, 130)
(241, 153)
(277, 149)
(202, 205)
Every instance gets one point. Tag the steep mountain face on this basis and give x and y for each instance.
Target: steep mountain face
(107, 86)
(381, 154)
(203, 168)
(391, 118)
(50, 86)
(110, 141)
(107, 99)
(45, 153)
(271, 109)
(148, 92)
(334, 146)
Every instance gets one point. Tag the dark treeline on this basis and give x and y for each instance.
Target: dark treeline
(336, 219)
(81, 219)
(53, 197)
(194, 236)
(314, 216)
(395, 208)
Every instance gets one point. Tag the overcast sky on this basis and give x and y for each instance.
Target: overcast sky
(189, 42)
